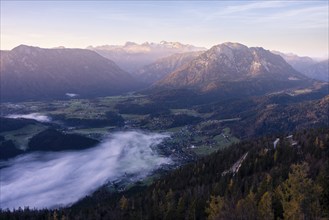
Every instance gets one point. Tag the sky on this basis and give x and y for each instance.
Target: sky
(300, 27)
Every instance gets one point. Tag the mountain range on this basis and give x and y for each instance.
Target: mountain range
(307, 66)
(162, 67)
(36, 73)
(133, 56)
(228, 69)
(233, 65)
(297, 62)
(318, 71)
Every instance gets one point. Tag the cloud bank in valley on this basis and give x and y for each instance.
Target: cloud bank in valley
(52, 179)
(35, 116)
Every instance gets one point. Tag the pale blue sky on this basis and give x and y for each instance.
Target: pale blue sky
(300, 27)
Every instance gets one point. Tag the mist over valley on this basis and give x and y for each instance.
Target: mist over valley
(56, 179)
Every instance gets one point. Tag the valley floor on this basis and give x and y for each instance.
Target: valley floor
(194, 130)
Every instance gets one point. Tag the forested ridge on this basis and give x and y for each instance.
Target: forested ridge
(286, 181)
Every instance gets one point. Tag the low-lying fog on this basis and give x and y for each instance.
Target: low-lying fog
(41, 180)
(71, 95)
(34, 116)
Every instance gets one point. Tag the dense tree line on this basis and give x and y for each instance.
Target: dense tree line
(54, 140)
(8, 149)
(10, 124)
(286, 182)
(270, 115)
(149, 108)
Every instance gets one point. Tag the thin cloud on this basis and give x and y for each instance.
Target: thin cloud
(242, 10)
(253, 6)
(313, 17)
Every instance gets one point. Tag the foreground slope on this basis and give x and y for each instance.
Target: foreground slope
(254, 179)
(36, 73)
(250, 180)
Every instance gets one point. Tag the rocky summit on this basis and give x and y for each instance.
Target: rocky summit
(232, 63)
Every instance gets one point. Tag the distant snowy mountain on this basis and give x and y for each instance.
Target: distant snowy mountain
(133, 56)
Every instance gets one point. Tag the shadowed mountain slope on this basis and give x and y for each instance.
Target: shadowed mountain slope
(32, 73)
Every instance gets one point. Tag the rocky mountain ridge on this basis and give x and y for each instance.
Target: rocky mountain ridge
(318, 71)
(307, 66)
(132, 56)
(231, 62)
(162, 67)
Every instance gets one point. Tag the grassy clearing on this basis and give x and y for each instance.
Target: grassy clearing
(175, 129)
(133, 117)
(225, 141)
(21, 136)
(185, 111)
(301, 91)
(190, 112)
(87, 131)
(95, 133)
(204, 150)
(219, 141)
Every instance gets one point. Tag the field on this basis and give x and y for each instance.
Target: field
(87, 117)
(20, 137)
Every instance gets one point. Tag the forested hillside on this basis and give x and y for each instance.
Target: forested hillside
(272, 177)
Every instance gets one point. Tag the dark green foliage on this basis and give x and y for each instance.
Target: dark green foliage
(53, 140)
(182, 119)
(184, 192)
(8, 150)
(91, 123)
(257, 115)
(150, 108)
(270, 114)
(114, 119)
(10, 124)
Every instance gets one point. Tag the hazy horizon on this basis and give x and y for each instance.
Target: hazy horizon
(290, 27)
(319, 58)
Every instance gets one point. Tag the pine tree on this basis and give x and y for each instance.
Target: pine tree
(247, 208)
(181, 207)
(300, 195)
(265, 209)
(215, 206)
(123, 203)
(191, 210)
